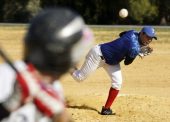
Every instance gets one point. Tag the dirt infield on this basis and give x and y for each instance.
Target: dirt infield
(144, 97)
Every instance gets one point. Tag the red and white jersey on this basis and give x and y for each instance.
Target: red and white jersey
(10, 96)
(27, 113)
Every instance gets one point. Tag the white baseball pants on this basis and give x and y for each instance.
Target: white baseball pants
(94, 61)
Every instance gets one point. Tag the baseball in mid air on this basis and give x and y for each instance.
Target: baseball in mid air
(123, 13)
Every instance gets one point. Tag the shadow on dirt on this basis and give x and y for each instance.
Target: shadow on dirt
(83, 107)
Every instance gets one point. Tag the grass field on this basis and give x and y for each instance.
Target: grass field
(11, 36)
(144, 96)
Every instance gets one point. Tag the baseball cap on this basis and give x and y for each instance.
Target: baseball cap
(149, 31)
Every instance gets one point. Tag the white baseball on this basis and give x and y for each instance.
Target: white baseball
(123, 13)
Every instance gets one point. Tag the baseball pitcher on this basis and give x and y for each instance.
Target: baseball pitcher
(109, 55)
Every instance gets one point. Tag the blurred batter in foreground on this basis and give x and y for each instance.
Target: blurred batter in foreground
(53, 43)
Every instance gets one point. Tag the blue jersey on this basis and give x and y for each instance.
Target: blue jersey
(117, 50)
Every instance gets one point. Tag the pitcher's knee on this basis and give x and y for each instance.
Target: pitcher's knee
(78, 76)
(116, 86)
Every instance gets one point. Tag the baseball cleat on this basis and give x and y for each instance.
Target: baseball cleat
(107, 111)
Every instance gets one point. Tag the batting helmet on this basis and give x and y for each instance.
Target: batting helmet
(55, 40)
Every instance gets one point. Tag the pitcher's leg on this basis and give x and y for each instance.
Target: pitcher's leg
(115, 74)
(116, 77)
(91, 63)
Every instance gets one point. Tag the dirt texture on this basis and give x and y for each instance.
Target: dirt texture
(144, 97)
(145, 93)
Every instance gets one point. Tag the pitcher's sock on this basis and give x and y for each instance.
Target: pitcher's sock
(112, 95)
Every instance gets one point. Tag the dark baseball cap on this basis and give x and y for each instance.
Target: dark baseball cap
(149, 31)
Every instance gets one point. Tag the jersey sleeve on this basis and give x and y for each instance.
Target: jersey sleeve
(7, 81)
(128, 60)
(134, 48)
(133, 53)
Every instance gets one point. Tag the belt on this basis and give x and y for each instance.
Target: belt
(102, 57)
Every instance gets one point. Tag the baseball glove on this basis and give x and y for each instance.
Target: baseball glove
(145, 50)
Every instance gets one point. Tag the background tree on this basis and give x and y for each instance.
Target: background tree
(142, 11)
(164, 11)
(96, 12)
(20, 10)
(1, 9)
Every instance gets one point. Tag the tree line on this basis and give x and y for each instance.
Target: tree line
(95, 12)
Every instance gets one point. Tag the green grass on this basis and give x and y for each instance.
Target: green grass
(101, 33)
(105, 34)
(13, 26)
